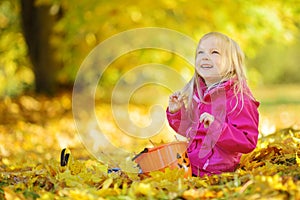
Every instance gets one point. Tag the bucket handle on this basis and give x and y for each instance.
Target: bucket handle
(139, 154)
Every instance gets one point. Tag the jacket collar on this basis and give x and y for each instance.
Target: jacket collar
(226, 84)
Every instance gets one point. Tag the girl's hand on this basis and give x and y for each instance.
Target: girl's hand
(175, 102)
(207, 119)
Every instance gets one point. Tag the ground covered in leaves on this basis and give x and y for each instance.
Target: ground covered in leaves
(33, 131)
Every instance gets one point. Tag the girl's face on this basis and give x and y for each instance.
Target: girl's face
(209, 63)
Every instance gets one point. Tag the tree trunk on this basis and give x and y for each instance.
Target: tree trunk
(38, 23)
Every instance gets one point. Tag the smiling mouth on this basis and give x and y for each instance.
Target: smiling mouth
(206, 66)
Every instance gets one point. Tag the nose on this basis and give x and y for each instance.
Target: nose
(204, 56)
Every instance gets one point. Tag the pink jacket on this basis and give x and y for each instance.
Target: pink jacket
(234, 131)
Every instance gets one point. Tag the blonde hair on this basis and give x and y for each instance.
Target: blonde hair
(233, 57)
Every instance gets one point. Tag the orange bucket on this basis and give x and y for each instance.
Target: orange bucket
(172, 155)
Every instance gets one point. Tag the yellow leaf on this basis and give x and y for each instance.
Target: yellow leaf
(145, 189)
(191, 194)
(9, 194)
(107, 183)
(297, 159)
(76, 167)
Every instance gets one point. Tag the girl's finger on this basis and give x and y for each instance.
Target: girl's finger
(206, 123)
(206, 119)
(180, 98)
(174, 96)
(202, 117)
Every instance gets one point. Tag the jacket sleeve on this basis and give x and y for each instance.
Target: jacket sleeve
(240, 132)
(178, 121)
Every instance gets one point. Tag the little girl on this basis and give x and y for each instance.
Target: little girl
(216, 110)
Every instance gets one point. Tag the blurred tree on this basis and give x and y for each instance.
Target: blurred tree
(38, 22)
(15, 73)
(61, 33)
(245, 21)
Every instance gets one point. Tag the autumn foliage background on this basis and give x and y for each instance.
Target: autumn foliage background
(44, 42)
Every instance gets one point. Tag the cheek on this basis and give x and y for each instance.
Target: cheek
(217, 59)
(219, 64)
(198, 70)
(221, 68)
(197, 60)
(197, 65)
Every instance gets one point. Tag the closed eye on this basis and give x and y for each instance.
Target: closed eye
(200, 52)
(215, 52)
